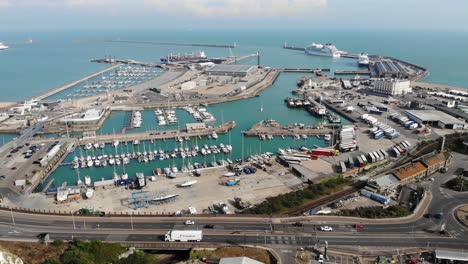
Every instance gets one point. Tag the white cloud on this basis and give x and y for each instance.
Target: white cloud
(5, 4)
(238, 8)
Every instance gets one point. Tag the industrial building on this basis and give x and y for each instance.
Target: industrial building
(390, 69)
(435, 118)
(231, 70)
(410, 172)
(392, 86)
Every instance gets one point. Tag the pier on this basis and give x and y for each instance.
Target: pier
(235, 59)
(265, 128)
(360, 72)
(162, 43)
(130, 62)
(286, 46)
(69, 85)
(306, 70)
(164, 134)
(339, 111)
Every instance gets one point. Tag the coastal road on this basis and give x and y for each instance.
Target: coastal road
(421, 232)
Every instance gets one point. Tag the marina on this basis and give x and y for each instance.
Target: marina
(161, 132)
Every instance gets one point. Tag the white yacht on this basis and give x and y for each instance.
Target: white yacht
(3, 46)
(363, 59)
(87, 180)
(328, 50)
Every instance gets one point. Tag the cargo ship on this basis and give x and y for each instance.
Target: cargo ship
(184, 57)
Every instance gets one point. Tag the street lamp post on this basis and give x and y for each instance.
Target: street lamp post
(131, 220)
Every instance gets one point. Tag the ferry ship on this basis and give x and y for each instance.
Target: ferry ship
(184, 57)
(363, 59)
(328, 50)
(3, 46)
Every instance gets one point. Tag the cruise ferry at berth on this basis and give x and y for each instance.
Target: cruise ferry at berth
(363, 59)
(328, 50)
(184, 57)
(3, 46)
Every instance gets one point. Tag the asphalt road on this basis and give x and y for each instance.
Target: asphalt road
(420, 233)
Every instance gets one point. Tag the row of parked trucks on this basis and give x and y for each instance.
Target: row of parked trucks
(379, 129)
(374, 156)
(404, 121)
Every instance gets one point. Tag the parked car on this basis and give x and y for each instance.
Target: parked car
(297, 224)
(189, 222)
(209, 226)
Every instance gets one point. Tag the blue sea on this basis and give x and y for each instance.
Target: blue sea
(61, 57)
(57, 58)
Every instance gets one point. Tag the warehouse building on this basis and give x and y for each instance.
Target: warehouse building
(411, 172)
(436, 162)
(231, 70)
(392, 86)
(435, 118)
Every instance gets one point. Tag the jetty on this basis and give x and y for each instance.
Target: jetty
(306, 70)
(270, 127)
(164, 134)
(71, 84)
(130, 62)
(162, 43)
(360, 72)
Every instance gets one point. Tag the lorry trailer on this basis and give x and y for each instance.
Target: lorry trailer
(184, 236)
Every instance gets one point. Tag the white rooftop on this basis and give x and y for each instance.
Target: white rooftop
(434, 115)
(239, 260)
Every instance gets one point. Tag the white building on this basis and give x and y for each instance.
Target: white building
(392, 86)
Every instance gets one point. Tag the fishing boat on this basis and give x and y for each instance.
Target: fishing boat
(87, 180)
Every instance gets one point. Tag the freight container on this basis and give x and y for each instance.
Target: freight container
(350, 162)
(383, 154)
(407, 143)
(402, 152)
(404, 144)
(393, 135)
(396, 152)
(379, 135)
(343, 167)
(363, 157)
(379, 198)
(409, 123)
(360, 162)
(377, 156)
(413, 126)
(184, 235)
(366, 193)
(372, 157)
(389, 131)
(324, 152)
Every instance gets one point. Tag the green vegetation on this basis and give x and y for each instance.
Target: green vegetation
(138, 257)
(80, 252)
(393, 211)
(458, 184)
(282, 203)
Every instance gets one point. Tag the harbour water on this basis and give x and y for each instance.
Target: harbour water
(245, 113)
(67, 60)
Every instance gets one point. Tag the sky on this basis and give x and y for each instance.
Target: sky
(66, 15)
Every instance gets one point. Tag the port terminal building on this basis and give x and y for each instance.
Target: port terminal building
(392, 86)
(436, 118)
(231, 70)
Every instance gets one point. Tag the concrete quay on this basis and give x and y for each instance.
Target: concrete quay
(69, 85)
(166, 134)
(262, 129)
